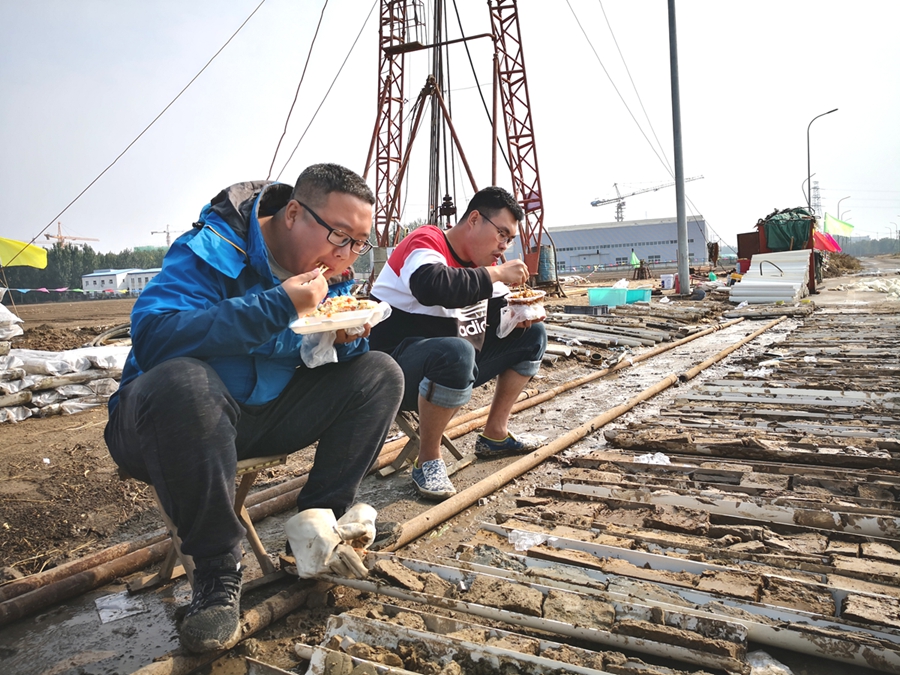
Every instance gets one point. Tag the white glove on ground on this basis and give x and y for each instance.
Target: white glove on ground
(319, 549)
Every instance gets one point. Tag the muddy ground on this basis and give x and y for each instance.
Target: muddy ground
(60, 496)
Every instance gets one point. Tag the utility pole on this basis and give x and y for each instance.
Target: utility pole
(165, 232)
(684, 276)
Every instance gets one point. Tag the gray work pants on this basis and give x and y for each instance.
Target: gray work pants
(178, 428)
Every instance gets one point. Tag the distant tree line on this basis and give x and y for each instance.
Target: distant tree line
(66, 265)
(860, 247)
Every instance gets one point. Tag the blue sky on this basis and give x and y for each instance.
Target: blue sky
(81, 79)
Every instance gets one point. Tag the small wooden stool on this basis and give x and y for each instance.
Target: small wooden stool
(178, 563)
(408, 422)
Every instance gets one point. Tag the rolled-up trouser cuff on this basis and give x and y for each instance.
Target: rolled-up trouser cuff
(444, 397)
(527, 368)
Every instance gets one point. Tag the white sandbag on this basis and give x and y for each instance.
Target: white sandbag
(74, 390)
(15, 386)
(9, 324)
(106, 386)
(50, 363)
(107, 356)
(15, 413)
(45, 398)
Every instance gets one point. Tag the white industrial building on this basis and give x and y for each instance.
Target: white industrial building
(584, 248)
(131, 281)
(136, 280)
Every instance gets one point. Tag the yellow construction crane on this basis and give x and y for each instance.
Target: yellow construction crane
(619, 199)
(63, 239)
(166, 232)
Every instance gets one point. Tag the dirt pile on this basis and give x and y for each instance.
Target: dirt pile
(840, 264)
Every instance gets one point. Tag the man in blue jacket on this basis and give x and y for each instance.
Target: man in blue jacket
(215, 374)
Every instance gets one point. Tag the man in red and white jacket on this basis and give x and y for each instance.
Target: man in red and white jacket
(446, 291)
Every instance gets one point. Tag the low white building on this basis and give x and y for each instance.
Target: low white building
(105, 281)
(136, 280)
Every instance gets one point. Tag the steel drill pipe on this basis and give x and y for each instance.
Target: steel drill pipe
(80, 583)
(34, 581)
(693, 372)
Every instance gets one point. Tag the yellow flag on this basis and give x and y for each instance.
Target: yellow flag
(13, 253)
(833, 226)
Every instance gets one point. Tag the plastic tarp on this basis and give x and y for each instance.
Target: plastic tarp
(788, 230)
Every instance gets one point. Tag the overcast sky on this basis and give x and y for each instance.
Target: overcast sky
(82, 78)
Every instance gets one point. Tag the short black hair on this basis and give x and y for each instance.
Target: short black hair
(319, 180)
(491, 200)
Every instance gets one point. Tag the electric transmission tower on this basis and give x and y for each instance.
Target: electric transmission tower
(816, 199)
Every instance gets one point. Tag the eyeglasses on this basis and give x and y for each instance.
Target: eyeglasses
(337, 237)
(502, 237)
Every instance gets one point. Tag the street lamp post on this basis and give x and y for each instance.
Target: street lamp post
(839, 206)
(803, 189)
(808, 165)
(842, 215)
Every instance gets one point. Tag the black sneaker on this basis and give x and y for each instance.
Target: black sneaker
(213, 620)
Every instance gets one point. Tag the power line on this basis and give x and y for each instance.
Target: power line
(330, 87)
(634, 86)
(137, 138)
(297, 93)
(615, 88)
(694, 210)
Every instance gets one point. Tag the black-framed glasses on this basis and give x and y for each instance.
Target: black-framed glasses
(337, 237)
(502, 236)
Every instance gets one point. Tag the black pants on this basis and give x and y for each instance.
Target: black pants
(178, 428)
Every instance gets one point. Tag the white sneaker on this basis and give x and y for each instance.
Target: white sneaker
(431, 480)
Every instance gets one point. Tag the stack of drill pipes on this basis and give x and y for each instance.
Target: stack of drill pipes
(628, 331)
(280, 498)
(662, 311)
(460, 576)
(679, 566)
(563, 335)
(758, 509)
(81, 582)
(20, 586)
(433, 517)
(597, 336)
(782, 627)
(450, 647)
(592, 634)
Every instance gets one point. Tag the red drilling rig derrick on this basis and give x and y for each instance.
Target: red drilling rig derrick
(387, 140)
(391, 157)
(523, 163)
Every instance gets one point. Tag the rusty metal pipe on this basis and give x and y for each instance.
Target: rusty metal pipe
(693, 372)
(80, 583)
(34, 581)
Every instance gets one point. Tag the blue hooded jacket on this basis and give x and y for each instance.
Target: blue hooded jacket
(217, 300)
